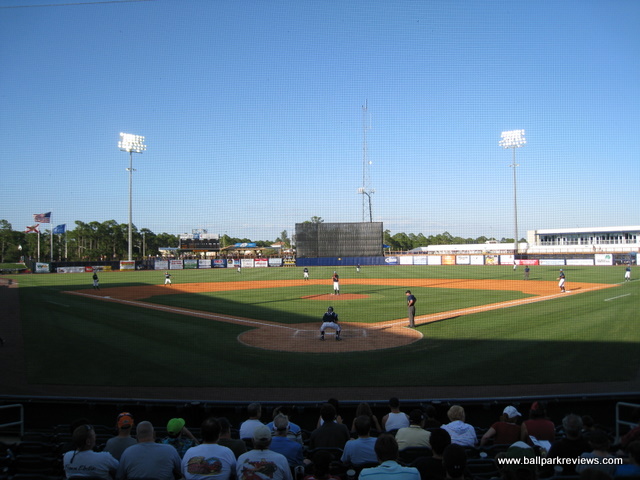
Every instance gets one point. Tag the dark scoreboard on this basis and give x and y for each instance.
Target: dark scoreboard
(207, 244)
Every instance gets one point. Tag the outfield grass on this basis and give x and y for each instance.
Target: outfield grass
(590, 337)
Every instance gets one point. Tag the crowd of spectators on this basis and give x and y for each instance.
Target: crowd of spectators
(416, 446)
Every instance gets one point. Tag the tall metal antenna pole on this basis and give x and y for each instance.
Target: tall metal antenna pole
(364, 157)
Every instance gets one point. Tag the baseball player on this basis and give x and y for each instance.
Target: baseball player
(167, 278)
(411, 308)
(330, 320)
(305, 274)
(336, 283)
(627, 274)
(96, 285)
(561, 280)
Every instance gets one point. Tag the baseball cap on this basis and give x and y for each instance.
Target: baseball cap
(262, 433)
(511, 412)
(125, 420)
(175, 426)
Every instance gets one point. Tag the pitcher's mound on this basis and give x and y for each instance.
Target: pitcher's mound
(333, 298)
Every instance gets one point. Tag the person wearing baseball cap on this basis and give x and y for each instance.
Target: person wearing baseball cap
(506, 430)
(116, 445)
(262, 460)
(179, 436)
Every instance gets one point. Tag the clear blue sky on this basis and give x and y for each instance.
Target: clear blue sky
(252, 113)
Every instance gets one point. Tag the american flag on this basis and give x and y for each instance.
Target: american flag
(42, 217)
(32, 229)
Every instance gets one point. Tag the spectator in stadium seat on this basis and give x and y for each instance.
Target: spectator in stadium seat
(209, 460)
(321, 467)
(179, 436)
(365, 409)
(281, 443)
(360, 450)
(254, 410)
(461, 433)
(331, 434)
(430, 420)
(395, 419)
(413, 435)
(518, 470)
(454, 459)
(83, 461)
(572, 445)
(148, 459)
(538, 425)
(294, 432)
(116, 445)
(631, 469)
(237, 446)
(432, 468)
(336, 405)
(634, 433)
(387, 452)
(599, 443)
(506, 430)
(261, 461)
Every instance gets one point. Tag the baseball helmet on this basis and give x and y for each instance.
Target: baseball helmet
(330, 309)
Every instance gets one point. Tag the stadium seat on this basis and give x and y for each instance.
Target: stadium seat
(409, 454)
(483, 468)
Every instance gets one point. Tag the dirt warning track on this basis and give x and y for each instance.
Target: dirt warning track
(304, 337)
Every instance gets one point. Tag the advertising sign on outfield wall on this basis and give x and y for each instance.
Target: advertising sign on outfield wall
(219, 263)
(190, 263)
(204, 263)
(261, 262)
(492, 260)
(580, 261)
(175, 264)
(246, 262)
(275, 262)
(435, 260)
(463, 260)
(476, 259)
(406, 259)
(448, 260)
(604, 259)
(70, 270)
(420, 260)
(161, 265)
(391, 260)
(42, 267)
(551, 261)
(127, 265)
(507, 259)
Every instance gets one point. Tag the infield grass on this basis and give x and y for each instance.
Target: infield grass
(72, 340)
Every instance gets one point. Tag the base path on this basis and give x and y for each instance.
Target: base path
(356, 336)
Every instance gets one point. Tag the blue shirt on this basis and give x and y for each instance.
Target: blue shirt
(390, 470)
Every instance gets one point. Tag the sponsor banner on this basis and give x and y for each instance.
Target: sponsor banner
(604, 259)
(42, 267)
(448, 260)
(127, 265)
(219, 263)
(161, 265)
(420, 260)
(233, 263)
(98, 268)
(275, 262)
(175, 265)
(70, 270)
(391, 260)
(550, 261)
(190, 264)
(580, 261)
(435, 260)
(204, 263)
(527, 262)
(261, 262)
(476, 259)
(289, 262)
(492, 260)
(463, 260)
(507, 259)
(406, 259)
(246, 263)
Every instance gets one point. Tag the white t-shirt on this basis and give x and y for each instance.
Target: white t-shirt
(267, 463)
(396, 421)
(248, 427)
(89, 464)
(208, 461)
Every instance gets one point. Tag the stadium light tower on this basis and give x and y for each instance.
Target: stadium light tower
(514, 139)
(368, 194)
(366, 166)
(132, 144)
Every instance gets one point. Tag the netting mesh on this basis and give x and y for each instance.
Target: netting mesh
(315, 240)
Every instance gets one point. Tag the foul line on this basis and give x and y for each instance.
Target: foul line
(619, 296)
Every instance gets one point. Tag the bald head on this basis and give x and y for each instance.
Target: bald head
(145, 432)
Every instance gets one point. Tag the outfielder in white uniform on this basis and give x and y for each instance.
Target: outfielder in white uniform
(330, 320)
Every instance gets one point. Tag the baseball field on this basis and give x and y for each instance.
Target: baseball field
(217, 334)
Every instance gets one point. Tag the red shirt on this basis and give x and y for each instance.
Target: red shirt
(541, 428)
(506, 433)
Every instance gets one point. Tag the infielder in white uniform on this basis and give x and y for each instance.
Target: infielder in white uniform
(330, 320)
(167, 278)
(561, 281)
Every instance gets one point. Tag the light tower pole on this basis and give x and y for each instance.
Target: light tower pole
(132, 144)
(514, 139)
(366, 176)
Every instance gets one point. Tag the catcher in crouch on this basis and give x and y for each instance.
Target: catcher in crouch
(330, 320)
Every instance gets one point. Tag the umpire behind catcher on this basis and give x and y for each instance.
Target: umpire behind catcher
(330, 320)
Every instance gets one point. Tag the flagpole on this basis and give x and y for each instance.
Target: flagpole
(38, 245)
(51, 232)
